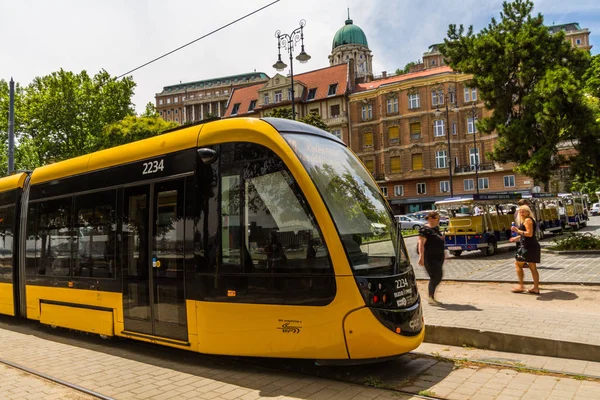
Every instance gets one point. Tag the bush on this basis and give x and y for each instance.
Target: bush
(577, 241)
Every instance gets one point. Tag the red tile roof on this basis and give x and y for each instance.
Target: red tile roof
(320, 79)
(243, 96)
(399, 78)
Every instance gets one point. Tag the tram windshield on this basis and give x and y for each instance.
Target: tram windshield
(370, 237)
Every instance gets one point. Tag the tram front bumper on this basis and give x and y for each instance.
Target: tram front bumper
(374, 332)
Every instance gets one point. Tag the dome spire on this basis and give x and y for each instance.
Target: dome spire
(348, 21)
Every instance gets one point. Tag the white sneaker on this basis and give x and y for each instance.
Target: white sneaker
(434, 302)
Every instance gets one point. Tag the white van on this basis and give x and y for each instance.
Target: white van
(595, 210)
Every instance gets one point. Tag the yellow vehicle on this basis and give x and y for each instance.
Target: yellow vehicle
(575, 210)
(545, 208)
(478, 222)
(241, 237)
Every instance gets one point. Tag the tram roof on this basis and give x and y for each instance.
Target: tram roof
(175, 140)
(11, 182)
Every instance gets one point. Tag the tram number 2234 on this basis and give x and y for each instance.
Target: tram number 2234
(152, 167)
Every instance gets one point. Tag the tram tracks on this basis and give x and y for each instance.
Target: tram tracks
(55, 380)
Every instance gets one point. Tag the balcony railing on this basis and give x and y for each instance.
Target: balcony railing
(379, 176)
(461, 169)
(337, 120)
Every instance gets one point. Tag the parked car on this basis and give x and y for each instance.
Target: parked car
(407, 222)
(421, 215)
(595, 210)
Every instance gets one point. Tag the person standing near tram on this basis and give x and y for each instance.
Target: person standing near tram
(529, 253)
(432, 253)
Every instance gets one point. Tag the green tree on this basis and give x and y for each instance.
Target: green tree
(65, 112)
(150, 110)
(592, 77)
(406, 68)
(531, 79)
(132, 128)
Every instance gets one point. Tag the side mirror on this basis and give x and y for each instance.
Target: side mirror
(208, 156)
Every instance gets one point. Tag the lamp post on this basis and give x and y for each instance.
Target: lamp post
(446, 96)
(474, 110)
(289, 42)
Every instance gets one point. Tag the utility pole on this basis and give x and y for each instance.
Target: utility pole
(11, 127)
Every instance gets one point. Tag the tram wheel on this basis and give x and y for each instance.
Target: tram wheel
(491, 249)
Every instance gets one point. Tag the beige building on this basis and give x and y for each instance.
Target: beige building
(323, 91)
(195, 101)
(574, 34)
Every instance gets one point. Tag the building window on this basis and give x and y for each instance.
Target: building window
(509, 181)
(437, 97)
(444, 186)
(168, 112)
(335, 111)
(252, 105)
(368, 139)
(417, 161)
(168, 101)
(370, 164)
(311, 94)
(337, 133)
(266, 98)
(471, 125)
(289, 94)
(367, 112)
(392, 105)
(395, 165)
(421, 188)
(469, 184)
(438, 128)
(332, 89)
(176, 111)
(454, 128)
(236, 108)
(175, 100)
(383, 191)
(414, 101)
(440, 159)
(394, 134)
(484, 183)
(470, 94)
(278, 96)
(314, 111)
(451, 97)
(473, 157)
(160, 101)
(415, 130)
(399, 190)
(578, 41)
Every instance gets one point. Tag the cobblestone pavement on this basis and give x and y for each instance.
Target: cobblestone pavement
(472, 266)
(121, 377)
(566, 313)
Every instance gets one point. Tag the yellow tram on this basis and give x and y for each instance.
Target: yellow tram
(249, 237)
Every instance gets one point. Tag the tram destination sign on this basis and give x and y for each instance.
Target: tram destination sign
(542, 195)
(497, 196)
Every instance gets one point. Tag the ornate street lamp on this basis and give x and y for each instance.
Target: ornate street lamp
(447, 96)
(289, 41)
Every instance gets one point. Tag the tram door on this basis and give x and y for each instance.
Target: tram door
(153, 255)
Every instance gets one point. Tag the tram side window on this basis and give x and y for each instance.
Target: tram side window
(271, 250)
(7, 216)
(54, 237)
(95, 232)
(32, 251)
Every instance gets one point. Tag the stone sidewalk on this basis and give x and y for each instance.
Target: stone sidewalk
(563, 321)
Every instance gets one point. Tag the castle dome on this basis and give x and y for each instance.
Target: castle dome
(349, 34)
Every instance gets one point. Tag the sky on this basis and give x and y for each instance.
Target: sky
(40, 37)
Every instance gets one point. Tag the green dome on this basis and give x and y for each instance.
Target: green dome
(349, 34)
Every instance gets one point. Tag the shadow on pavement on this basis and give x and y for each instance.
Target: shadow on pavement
(459, 307)
(406, 373)
(556, 294)
(549, 268)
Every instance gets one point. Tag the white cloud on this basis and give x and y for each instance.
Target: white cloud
(41, 37)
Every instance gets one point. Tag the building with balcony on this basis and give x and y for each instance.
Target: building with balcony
(578, 37)
(399, 129)
(323, 92)
(195, 101)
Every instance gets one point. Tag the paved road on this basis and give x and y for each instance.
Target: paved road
(472, 266)
(130, 370)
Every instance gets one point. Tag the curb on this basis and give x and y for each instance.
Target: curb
(505, 342)
(563, 252)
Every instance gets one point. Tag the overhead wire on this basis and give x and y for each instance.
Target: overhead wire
(200, 38)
